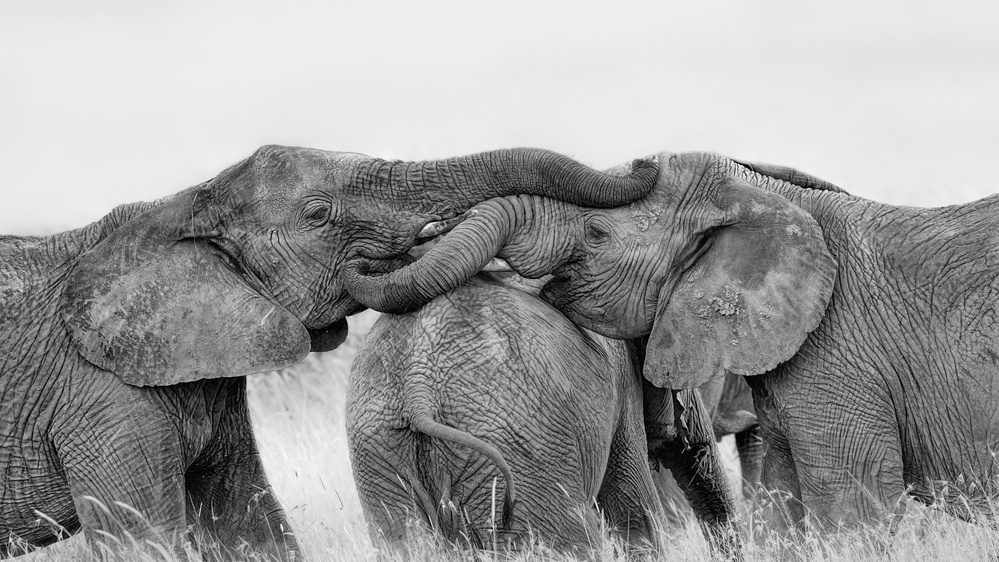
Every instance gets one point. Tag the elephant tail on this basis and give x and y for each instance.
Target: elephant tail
(422, 422)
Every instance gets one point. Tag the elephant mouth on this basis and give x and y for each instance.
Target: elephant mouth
(328, 337)
(558, 292)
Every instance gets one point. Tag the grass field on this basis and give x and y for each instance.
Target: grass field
(299, 422)
(894, 101)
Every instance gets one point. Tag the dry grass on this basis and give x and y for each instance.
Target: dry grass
(299, 423)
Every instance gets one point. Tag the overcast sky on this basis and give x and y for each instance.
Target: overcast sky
(106, 102)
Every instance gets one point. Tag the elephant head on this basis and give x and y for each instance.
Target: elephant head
(721, 271)
(245, 272)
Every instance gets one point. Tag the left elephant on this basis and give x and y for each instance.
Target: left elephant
(124, 344)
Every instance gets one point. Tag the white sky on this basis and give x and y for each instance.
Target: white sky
(105, 102)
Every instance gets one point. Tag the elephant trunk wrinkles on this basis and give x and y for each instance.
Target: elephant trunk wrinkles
(461, 182)
(460, 255)
(680, 437)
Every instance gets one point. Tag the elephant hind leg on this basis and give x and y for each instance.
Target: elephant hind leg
(627, 494)
(392, 495)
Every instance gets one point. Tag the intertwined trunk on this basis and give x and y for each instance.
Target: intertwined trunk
(465, 181)
(492, 226)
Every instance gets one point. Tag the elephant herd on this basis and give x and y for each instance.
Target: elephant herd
(554, 331)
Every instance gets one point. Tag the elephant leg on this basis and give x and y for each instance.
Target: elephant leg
(699, 472)
(228, 495)
(751, 449)
(780, 494)
(128, 488)
(850, 471)
(676, 509)
(390, 491)
(627, 494)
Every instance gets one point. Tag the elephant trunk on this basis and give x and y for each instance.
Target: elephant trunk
(680, 437)
(461, 182)
(511, 225)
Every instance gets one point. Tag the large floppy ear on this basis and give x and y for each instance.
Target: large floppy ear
(157, 311)
(748, 302)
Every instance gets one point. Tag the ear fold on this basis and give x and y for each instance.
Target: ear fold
(790, 175)
(752, 297)
(156, 311)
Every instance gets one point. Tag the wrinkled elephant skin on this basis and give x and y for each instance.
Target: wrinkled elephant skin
(563, 407)
(866, 331)
(124, 345)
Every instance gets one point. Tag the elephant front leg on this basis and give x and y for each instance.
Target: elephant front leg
(128, 491)
(236, 506)
(230, 499)
(850, 471)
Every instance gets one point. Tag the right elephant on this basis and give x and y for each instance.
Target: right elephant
(868, 332)
(489, 382)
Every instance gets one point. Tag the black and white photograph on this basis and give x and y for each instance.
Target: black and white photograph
(468, 281)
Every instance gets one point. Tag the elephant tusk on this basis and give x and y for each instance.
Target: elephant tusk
(436, 228)
(497, 265)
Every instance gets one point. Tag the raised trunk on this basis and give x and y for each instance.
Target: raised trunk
(490, 227)
(461, 182)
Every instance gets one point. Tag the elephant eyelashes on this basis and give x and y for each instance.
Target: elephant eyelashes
(316, 213)
(596, 234)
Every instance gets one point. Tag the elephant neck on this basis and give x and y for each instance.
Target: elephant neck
(31, 267)
(853, 227)
(911, 258)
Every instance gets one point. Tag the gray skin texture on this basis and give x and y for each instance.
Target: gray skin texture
(868, 332)
(562, 407)
(124, 344)
(729, 403)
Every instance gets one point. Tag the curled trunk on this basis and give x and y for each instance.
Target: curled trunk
(491, 226)
(465, 181)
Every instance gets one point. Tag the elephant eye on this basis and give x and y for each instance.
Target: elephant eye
(596, 234)
(316, 213)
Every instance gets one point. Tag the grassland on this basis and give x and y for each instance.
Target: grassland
(299, 422)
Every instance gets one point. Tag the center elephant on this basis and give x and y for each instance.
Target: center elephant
(488, 383)
(124, 344)
(867, 331)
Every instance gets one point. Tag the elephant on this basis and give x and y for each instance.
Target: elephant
(487, 382)
(729, 404)
(124, 344)
(866, 331)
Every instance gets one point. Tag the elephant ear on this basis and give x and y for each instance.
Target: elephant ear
(747, 303)
(156, 311)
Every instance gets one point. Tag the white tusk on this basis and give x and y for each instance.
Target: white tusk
(436, 228)
(497, 265)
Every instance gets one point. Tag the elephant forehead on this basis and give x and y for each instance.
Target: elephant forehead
(286, 170)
